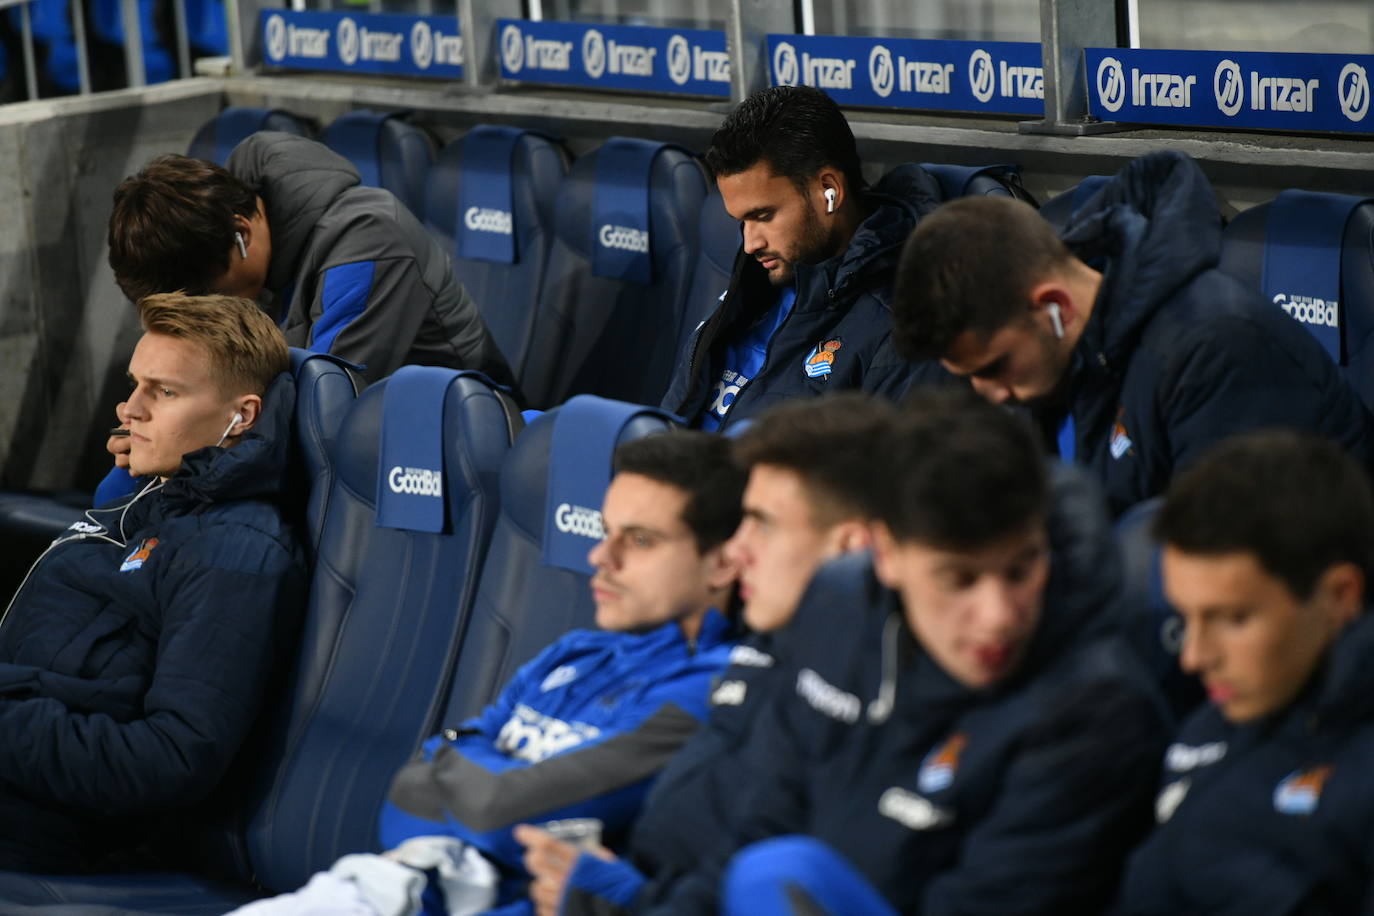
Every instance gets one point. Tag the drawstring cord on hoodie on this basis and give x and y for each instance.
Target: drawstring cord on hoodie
(881, 707)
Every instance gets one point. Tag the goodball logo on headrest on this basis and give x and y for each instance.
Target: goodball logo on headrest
(579, 520)
(416, 481)
(624, 237)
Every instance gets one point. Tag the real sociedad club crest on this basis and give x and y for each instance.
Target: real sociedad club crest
(821, 361)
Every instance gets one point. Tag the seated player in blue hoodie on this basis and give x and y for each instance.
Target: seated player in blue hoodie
(582, 730)
(976, 738)
(1265, 805)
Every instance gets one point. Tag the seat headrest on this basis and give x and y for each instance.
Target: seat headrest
(978, 180)
(389, 152)
(721, 235)
(217, 137)
(587, 430)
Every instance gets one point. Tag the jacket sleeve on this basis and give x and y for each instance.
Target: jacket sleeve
(370, 312)
(1072, 804)
(892, 376)
(599, 888)
(221, 599)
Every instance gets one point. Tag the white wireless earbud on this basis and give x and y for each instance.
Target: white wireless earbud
(1055, 321)
(829, 195)
(243, 249)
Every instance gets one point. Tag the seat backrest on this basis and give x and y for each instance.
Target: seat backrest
(217, 137)
(325, 391)
(1312, 254)
(522, 604)
(526, 169)
(1149, 623)
(388, 151)
(719, 238)
(387, 613)
(609, 335)
(1060, 208)
(979, 181)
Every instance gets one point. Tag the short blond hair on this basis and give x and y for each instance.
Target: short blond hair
(246, 349)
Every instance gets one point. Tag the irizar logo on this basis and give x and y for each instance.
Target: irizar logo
(276, 37)
(1353, 88)
(624, 238)
(820, 72)
(1111, 84)
(786, 70)
(880, 71)
(981, 77)
(911, 810)
(295, 41)
(1228, 85)
(430, 47)
(1148, 90)
(579, 520)
(512, 48)
(679, 60)
(532, 736)
(923, 76)
(826, 698)
(594, 54)
(484, 219)
(631, 60)
(1310, 309)
(709, 66)
(346, 36)
(538, 53)
(416, 481)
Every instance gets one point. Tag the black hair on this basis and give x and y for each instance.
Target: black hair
(699, 464)
(960, 473)
(1295, 501)
(830, 443)
(970, 265)
(797, 130)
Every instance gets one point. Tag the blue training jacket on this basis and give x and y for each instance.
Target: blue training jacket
(837, 335)
(1176, 354)
(1270, 817)
(580, 731)
(136, 658)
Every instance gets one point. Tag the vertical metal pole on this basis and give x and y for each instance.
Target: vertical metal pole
(477, 24)
(1066, 28)
(83, 62)
(808, 17)
(30, 69)
(133, 43)
(750, 21)
(536, 10)
(183, 42)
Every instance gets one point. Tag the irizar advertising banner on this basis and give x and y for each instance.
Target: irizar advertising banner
(363, 43)
(643, 58)
(988, 77)
(1242, 89)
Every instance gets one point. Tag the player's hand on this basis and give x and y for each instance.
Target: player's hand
(119, 445)
(549, 861)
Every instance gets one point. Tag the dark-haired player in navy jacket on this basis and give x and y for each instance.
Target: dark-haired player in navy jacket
(1266, 804)
(976, 739)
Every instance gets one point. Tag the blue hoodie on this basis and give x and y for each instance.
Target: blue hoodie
(1274, 816)
(837, 334)
(136, 657)
(1176, 354)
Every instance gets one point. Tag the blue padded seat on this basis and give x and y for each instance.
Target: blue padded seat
(523, 605)
(720, 239)
(1243, 254)
(388, 150)
(979, 181)
(606, 336)
(506, 293)
(1060, 208)
(1148, 622)
(217, 137)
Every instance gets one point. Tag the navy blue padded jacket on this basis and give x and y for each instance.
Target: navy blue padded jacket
(845, 300)
(131, 669)
(1274, 816)
(1176, 354)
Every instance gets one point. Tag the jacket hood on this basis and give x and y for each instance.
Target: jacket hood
(255, 467)
(298, 179)
(898, 202)
(1152, 228)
